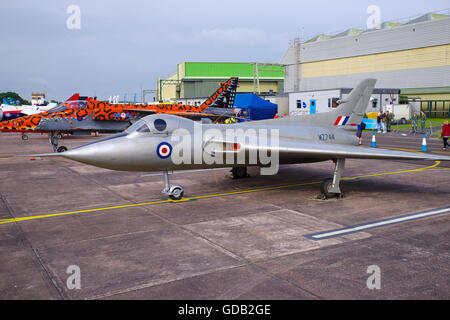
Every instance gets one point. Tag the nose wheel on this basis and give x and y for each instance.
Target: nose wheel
(174, 192)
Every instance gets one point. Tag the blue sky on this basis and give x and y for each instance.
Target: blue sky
(125, 45)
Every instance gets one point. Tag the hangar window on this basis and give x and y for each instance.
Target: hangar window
(333, 103)
(374, 103)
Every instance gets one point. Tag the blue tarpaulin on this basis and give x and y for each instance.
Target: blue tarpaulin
(254, 107)
(371, 124)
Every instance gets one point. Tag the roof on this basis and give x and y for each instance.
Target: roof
(319, 38)
(426, 90)
(390, 25)
(349, 32)
(428, 17)
(385, 25)
(247, 100)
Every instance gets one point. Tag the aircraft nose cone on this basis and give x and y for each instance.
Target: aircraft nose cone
(103, 153)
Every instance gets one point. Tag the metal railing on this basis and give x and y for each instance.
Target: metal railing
(431, 128)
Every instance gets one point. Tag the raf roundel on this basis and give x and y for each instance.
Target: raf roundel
(164, 150)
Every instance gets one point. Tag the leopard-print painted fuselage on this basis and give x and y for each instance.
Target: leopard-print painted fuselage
(102, 111)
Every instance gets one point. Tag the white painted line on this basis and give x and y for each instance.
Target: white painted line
(376, 224)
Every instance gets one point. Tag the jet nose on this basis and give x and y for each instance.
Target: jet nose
(106, 153)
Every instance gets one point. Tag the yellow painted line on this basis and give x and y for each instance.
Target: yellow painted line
(4, 221)
(396, 172)
(11, 220)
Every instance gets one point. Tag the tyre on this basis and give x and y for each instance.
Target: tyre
(24, 137)
(239, 172)
(61, 149)
(176, 193)
(325, 186)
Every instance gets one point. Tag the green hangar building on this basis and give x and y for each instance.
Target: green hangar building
(200, 79)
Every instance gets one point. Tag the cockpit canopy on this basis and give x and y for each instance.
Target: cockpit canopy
(69, 105)
(160, 124)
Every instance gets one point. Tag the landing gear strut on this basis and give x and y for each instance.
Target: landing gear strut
(330, 187)
(53, 138)
(174, 192)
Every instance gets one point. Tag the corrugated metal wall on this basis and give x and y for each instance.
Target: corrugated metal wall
(412, 78)
(425, 34)
(409, 56)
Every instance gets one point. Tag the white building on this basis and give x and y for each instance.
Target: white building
(318, 101)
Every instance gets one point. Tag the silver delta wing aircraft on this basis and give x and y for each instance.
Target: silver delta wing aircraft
(165, 142)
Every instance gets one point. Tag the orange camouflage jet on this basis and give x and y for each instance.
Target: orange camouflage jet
(98, 116)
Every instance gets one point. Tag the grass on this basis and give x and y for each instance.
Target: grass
(430, 122)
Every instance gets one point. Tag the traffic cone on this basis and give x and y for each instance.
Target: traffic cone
(374, 141)
(424, 143)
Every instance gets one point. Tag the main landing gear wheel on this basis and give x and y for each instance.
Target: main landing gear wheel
(24, 137)
(62, 149)
(239, 173)
(326, 194)
(59, 136)
(330, 187)
(175, 192)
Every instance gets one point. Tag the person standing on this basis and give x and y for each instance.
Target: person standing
(361, 127)
(379, 122)
(414, 119)
(383, 122)
(445, 134)
(389, 118)
(423, 121)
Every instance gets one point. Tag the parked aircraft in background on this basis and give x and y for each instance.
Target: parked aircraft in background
(75, 116)
(154, 143)
(10, 112)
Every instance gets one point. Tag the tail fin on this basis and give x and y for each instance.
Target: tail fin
(224, 96)
(350, 112)
(76, 96)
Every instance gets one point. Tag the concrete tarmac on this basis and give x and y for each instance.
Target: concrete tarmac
(230, 239)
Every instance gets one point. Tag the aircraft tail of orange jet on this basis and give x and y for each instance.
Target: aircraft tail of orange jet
(76, 96)
(223, 97)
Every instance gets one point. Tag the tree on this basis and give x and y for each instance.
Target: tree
(13, 96)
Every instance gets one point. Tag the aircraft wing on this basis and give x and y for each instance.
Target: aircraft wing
(294, 149)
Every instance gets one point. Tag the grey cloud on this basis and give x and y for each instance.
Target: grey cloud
(123, 45)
